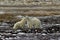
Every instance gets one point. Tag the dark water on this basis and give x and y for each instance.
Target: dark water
(50, 30)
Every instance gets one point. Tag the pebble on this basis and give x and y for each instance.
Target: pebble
(44, 31)
(10, 38)
(4, 24)
(0, 36)
(21, 33)
(6, 38)
(18, 30)
(18, 38)
(43, 34)
(52, 29)
(52, 39)
(15, 38)
(14, 35)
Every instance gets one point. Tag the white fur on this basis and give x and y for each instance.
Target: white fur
(20, 24)
(34, 22)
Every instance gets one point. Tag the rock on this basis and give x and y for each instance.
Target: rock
(6, 38)
(44, 34)
(15, 38)
(4, 24)
(21, 34)
(10, 38)
(14, 35)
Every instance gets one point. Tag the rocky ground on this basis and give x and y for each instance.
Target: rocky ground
(50, 30)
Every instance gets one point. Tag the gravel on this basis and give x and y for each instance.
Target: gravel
(50, 31)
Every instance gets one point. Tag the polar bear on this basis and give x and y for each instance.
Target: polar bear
(33, 22)
(20, 24)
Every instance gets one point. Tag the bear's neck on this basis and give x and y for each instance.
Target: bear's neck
(23, 20)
